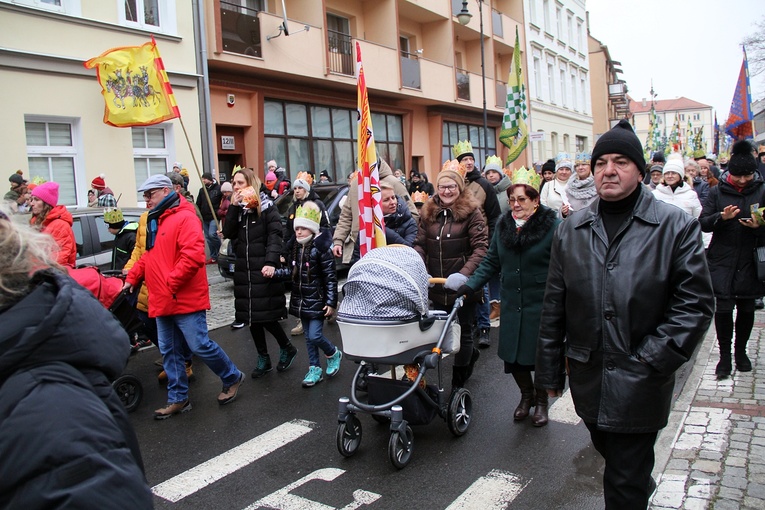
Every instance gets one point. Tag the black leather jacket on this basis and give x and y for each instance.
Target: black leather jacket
(626, 315)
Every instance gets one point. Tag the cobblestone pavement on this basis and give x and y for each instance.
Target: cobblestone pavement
(221, 312)
(712, 454)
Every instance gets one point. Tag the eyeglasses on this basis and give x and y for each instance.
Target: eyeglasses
(520, 200)
(147, 196)
(450, 187)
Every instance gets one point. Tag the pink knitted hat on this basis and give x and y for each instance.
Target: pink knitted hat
(47, 192)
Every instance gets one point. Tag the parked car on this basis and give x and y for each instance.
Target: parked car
(332, 196)
(94, 241)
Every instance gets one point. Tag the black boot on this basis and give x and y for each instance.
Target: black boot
(473, 359)
(743, 364)
(459, 376)
(539, 419)
(724, 367)
(526, 385)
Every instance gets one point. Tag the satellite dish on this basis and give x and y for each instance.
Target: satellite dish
(284, 23)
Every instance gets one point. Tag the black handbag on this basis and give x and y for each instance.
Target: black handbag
(759, 262)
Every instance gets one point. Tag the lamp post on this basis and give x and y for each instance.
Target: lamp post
(464, 18)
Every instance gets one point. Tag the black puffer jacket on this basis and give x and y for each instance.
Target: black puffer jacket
(65, 439)
(257, 242)
(625, 314)
(290, 227)
(311, 268)
(731, 253)
(400, 227)
(450, 240)
(215, 197)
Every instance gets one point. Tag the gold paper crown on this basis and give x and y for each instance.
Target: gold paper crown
(494, 160)
(528, 177)
(306, 177)
(462, 147)
(454, 166)
(236, 169)
(113, 216)
(419, 197)
(583, 158)
(309, 213)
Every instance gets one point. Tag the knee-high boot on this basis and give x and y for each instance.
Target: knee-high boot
(724, 329)
(526, 385)
(744, 324)
(539, 419)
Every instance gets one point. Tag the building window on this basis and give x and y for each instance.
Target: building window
(559, 23)
(546, 12)
(551, 82)
(566, 144)
(151, 155)
(574, 94)
(148, 14)
(581, 144)
(583, 91)
(682, 117)
(301, 137)
(563, 91)
(554, 144)
(580, 36)
(69, 7)
(52, 153)
(340, 45)
(570, 29)
(249, 5)
(537, 78)
(696, 116)
(533, 12)
(453, 132)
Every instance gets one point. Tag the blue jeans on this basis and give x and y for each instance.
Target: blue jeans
(482, 310)
(494, 288)
(315, 340)
(174, 332)
(213, 241)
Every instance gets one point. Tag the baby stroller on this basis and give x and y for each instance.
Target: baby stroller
(384, 320)
(107, 287)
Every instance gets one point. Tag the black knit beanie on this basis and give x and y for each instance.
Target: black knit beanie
(463, 155)
(621, 139)
(742, 161)
(549, 165)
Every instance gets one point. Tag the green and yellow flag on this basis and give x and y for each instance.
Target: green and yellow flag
(515, 133)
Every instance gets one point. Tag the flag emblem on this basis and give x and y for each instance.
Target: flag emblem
(515, 133)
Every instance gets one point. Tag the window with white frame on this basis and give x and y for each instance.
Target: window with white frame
(583, 92)
(52, 153)
(551, 81)
(570, 30)
(155, 15)
(151, 152)
(533, 11)
(696, 116)
(563, 88)
(69, 7)
(580, 36)
(574, 93)
(538, 77)
(559, 23)
(546, 12)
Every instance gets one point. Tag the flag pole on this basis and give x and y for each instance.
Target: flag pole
(199, 174)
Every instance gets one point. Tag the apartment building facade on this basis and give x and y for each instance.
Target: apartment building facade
(53, 113)
(559, 77)
(283, 86)
(700, 116)
(608, 92)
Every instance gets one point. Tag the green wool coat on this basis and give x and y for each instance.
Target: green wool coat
(521, 258)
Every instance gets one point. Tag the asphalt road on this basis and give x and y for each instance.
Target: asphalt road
(275, 447)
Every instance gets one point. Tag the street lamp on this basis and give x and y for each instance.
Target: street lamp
(464, 18)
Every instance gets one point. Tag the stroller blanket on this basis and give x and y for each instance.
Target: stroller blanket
(388, 283)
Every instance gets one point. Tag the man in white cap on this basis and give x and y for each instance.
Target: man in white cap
(173, 269)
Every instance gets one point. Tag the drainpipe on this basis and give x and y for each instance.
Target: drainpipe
(203, 88)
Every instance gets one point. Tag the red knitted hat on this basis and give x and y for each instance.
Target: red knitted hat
(98, 183)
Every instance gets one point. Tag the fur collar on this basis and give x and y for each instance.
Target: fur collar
(462, 208)
(535, 229)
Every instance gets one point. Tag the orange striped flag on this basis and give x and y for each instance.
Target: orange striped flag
(135, 86)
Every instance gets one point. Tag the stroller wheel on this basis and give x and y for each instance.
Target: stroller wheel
(129, 390)
(349, 436)
(400, 448)
(460, 411)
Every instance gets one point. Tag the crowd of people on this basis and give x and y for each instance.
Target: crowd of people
(562, 256)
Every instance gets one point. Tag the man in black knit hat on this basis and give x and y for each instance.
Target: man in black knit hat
(628, 299)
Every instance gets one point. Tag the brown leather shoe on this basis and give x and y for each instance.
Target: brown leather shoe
(539, 419)
(171, 409)
(495, 310)
(228, 393)
(162, 377)
(522, 411)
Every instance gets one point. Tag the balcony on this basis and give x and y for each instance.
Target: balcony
(240, 29)
(410, 70)
(463, 84)
(341, 59)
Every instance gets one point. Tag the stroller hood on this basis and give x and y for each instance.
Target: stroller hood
(387, 283)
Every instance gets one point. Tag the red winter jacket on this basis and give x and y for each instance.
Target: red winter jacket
(58, 224)
(174, 269)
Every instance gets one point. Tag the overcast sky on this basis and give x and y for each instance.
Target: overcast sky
(688, 48)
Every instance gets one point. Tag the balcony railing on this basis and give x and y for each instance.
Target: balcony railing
(496, 23)
(240, 28)
(340, 53)
(410, 70)
(500, 94)
(463, 84)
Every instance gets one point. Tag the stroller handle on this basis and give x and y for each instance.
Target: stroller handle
(436, 281)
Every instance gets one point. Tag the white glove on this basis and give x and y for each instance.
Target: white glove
(455, 281)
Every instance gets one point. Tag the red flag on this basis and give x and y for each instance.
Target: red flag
(739, 124)
(135, 86)
(371, 223)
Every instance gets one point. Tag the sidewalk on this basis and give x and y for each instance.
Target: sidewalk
(712, 453)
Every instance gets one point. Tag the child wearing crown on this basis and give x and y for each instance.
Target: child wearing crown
(311, 268)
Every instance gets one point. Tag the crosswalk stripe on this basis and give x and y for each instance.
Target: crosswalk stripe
(198, 477)
(495, 491)
(562, 411)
